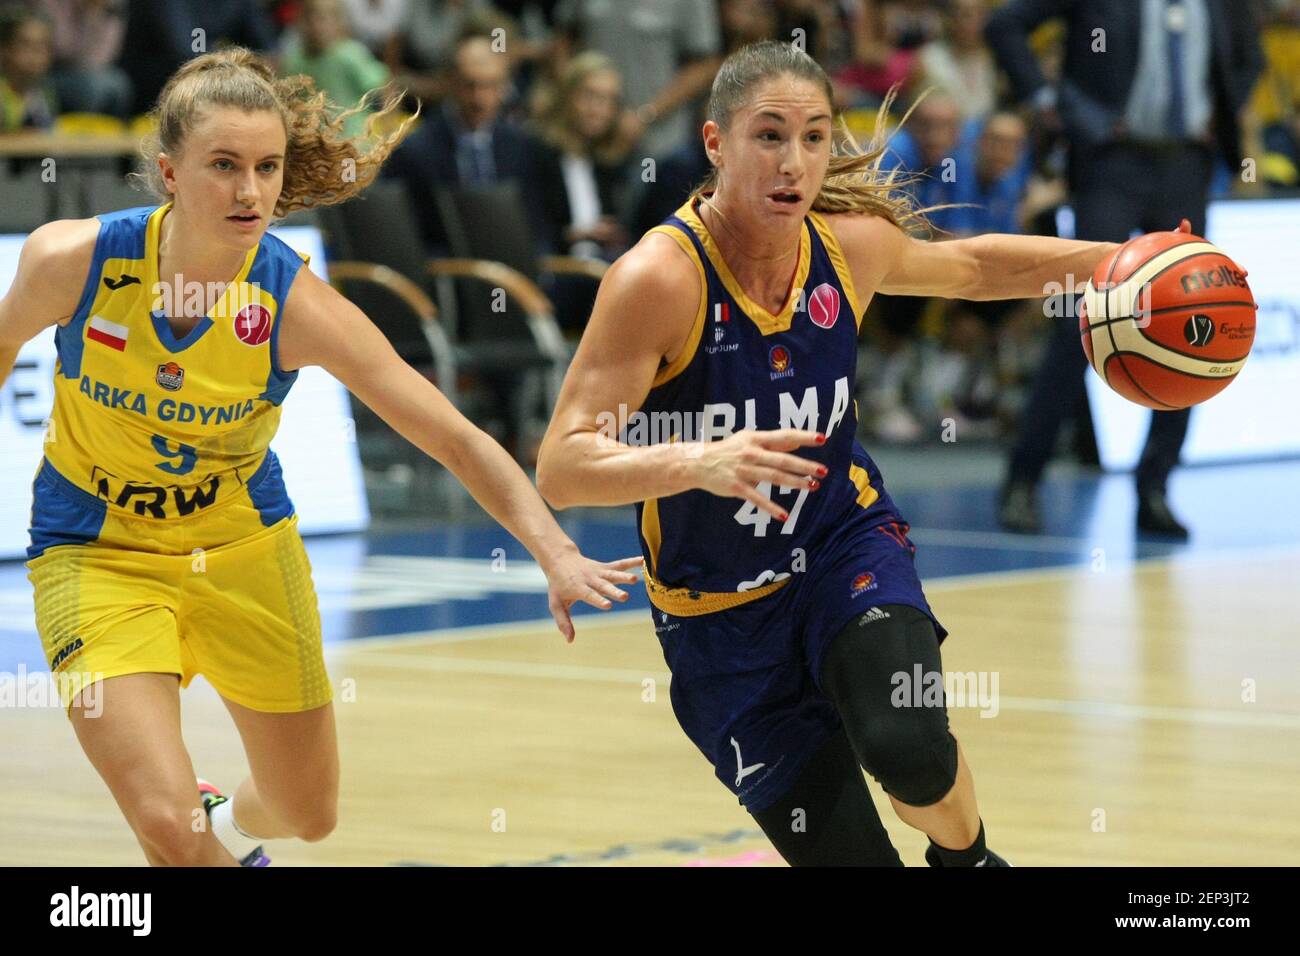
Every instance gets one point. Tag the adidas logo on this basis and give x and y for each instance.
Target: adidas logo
(871, 615)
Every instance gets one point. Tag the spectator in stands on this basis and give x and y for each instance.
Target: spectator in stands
(667, 52)
(426, 44)
(533, 15)
(576, 178)
(526, 57)
(27, 98)
(464, 140)
(87, 41)
(671, 179)
(343, 67)
(960, 63)
(816, 22)
(161, 36)
(531, 25)
(993, 164)
(981, 167)
(1145, 123)
(886, 38)
(747, 21)
(911, 24)
(1273, 120)
(926, 149)
(376, 23)
(576, 164)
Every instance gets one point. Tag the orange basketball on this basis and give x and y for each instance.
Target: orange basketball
(1168, 320)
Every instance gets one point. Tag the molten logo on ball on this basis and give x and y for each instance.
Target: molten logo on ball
(1215, 278)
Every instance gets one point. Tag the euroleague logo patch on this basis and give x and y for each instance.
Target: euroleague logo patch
(170, 376)
(824, 305)
(866, 581)
(253, 324)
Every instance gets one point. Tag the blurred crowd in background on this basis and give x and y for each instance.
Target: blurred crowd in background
(572, 98)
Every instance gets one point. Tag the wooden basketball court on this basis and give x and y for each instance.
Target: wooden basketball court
(1145, 715)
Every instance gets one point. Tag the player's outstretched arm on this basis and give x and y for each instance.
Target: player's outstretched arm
(644, 313)
(993, 266)
(51, 274)
(323, 328)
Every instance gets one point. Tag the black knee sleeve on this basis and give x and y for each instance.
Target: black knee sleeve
(827, 818)
(885, 678)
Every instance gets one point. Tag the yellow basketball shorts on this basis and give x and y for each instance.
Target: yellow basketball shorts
(241, 612)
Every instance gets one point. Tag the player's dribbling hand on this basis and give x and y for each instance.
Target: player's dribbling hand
(575, 577)
(1184, 226)
(733, 467)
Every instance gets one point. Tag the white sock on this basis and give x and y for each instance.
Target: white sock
(237, 843)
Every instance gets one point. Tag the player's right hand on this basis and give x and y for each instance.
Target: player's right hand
(733, 467)
(574, 577)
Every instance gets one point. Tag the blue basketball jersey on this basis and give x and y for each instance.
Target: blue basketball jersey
(744, 367)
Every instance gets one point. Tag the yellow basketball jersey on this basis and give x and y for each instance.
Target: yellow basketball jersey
(149, 426)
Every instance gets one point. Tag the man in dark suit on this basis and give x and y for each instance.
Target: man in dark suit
(464, 140)
(1148, 99)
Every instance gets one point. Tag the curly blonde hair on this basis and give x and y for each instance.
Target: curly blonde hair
(854, 179)
(322, 165)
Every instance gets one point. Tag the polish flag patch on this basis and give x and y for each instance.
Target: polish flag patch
(100, 330)
(824, 305)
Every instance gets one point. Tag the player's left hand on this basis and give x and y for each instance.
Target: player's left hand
(1184, 226)
(576, 577)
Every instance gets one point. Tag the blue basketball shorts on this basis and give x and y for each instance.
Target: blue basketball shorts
(746, 681)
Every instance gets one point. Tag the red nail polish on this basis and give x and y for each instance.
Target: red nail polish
(821, 439)
(784, 517)
(821, 471)
(813, 484)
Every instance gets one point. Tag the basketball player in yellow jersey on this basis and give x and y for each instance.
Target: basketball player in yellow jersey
(163, 543)
(784, 592)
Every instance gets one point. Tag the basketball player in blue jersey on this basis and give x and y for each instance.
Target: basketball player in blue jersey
(779, 569)
(163, 542)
